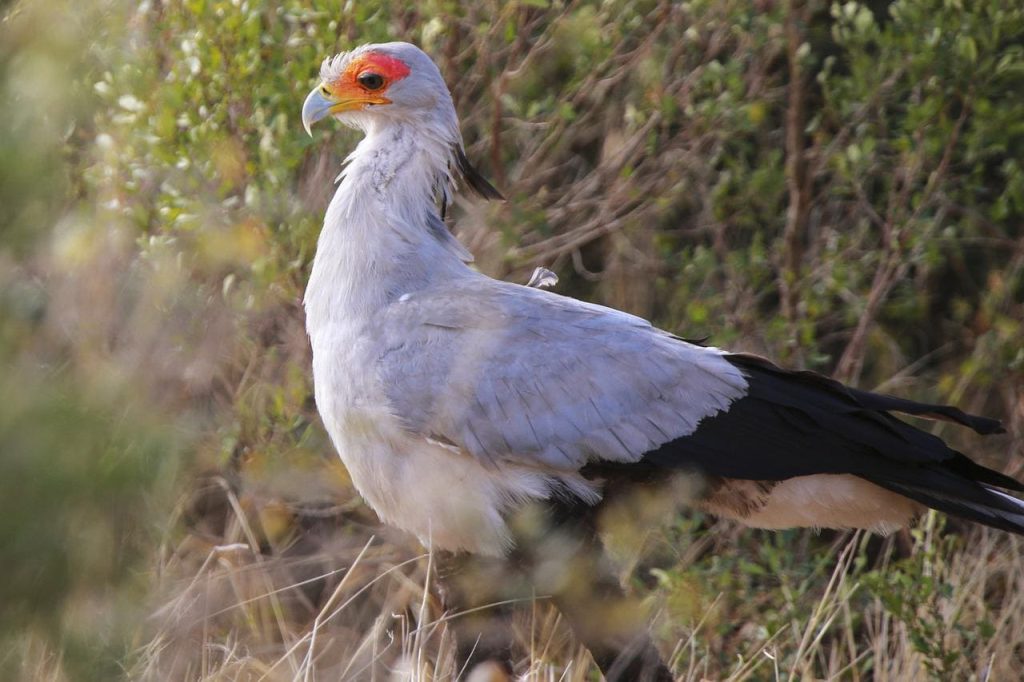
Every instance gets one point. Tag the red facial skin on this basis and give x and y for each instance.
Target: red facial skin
(348, 88)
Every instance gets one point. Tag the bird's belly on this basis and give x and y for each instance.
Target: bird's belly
(819, 501)
(445, 498)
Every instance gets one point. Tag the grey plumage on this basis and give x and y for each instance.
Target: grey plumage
(511, 373)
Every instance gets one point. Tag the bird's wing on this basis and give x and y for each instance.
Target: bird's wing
(507, 372)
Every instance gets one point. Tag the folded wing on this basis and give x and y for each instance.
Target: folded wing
(507, 372)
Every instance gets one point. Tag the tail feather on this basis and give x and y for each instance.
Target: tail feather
(794, 424)
(973, 471)
(963, 498)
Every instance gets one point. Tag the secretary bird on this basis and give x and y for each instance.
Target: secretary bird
(462, 405)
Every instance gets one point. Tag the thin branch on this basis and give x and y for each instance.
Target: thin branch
(797, 178)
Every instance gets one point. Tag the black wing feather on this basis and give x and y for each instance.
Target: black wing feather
(800, 423)
(868, 400)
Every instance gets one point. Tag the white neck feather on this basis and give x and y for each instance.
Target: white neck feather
(382, 235)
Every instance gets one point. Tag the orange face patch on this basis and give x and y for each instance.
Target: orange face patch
(359, 76)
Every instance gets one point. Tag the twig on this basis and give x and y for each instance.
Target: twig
(797, 178)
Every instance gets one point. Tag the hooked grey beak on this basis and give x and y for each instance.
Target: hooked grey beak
(315, 108)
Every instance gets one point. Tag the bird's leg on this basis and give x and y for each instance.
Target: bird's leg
(479, 594)
(558, 554)
(565, 558)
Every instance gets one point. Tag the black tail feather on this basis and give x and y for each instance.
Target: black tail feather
(971, 470)
(964, 499)
(792, 424)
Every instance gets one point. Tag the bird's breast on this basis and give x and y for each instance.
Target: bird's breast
(444, 497)
(409, 478)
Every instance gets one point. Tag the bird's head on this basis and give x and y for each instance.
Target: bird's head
(377, 83)
(387, 83)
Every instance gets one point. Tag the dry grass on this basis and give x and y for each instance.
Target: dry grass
(330, 600)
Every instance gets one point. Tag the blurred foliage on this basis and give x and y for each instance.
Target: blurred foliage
(836, 184)
(85, 470)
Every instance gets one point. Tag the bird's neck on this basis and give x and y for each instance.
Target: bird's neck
(382, 235)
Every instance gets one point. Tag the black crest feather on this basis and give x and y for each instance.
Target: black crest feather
(477, 182)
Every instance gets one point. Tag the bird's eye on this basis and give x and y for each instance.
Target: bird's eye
(371, 81)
